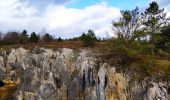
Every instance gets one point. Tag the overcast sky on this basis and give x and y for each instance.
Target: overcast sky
(66, 18)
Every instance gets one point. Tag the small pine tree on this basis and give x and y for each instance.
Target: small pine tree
(34, 38)
(59, 39)
(47, 37)
(24, 37)
(89, 39)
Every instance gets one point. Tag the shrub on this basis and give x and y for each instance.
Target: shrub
(147, 48)
(59, 39)
(167, 74)
(148, 65)
(124, 56)
(47, 38)
(89, 39)
(163, 41)
(11, 38)
(116, 42)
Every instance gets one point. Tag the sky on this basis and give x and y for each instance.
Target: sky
(66, 18)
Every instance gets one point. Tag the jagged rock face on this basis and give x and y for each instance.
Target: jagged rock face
(73, 74)
(146, 90)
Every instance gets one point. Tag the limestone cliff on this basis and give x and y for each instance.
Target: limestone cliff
(72, 74)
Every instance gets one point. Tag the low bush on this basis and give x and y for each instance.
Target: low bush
(89, 39)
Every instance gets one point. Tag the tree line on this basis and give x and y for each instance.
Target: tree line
(9, 38)
(23, 38)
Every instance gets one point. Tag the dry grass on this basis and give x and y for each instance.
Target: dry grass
(7, 91)
(164, 62)
(102, 46)
(65, 44)
(163, 65)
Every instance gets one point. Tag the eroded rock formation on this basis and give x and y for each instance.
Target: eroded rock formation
(72, 74)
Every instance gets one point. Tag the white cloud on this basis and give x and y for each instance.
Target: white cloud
(57, 19)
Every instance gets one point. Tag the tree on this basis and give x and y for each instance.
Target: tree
(164, 39)
(59, 39)
(11, 38)
(34, 38)
(128, 24)
(89, 39)
(24, 37)
(154, 19)
(47, 38)
(1, 37)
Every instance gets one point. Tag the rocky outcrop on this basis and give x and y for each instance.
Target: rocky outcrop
(72, 74)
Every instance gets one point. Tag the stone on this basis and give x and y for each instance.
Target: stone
(73, 74)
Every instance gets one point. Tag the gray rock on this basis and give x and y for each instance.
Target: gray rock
(73, 74)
